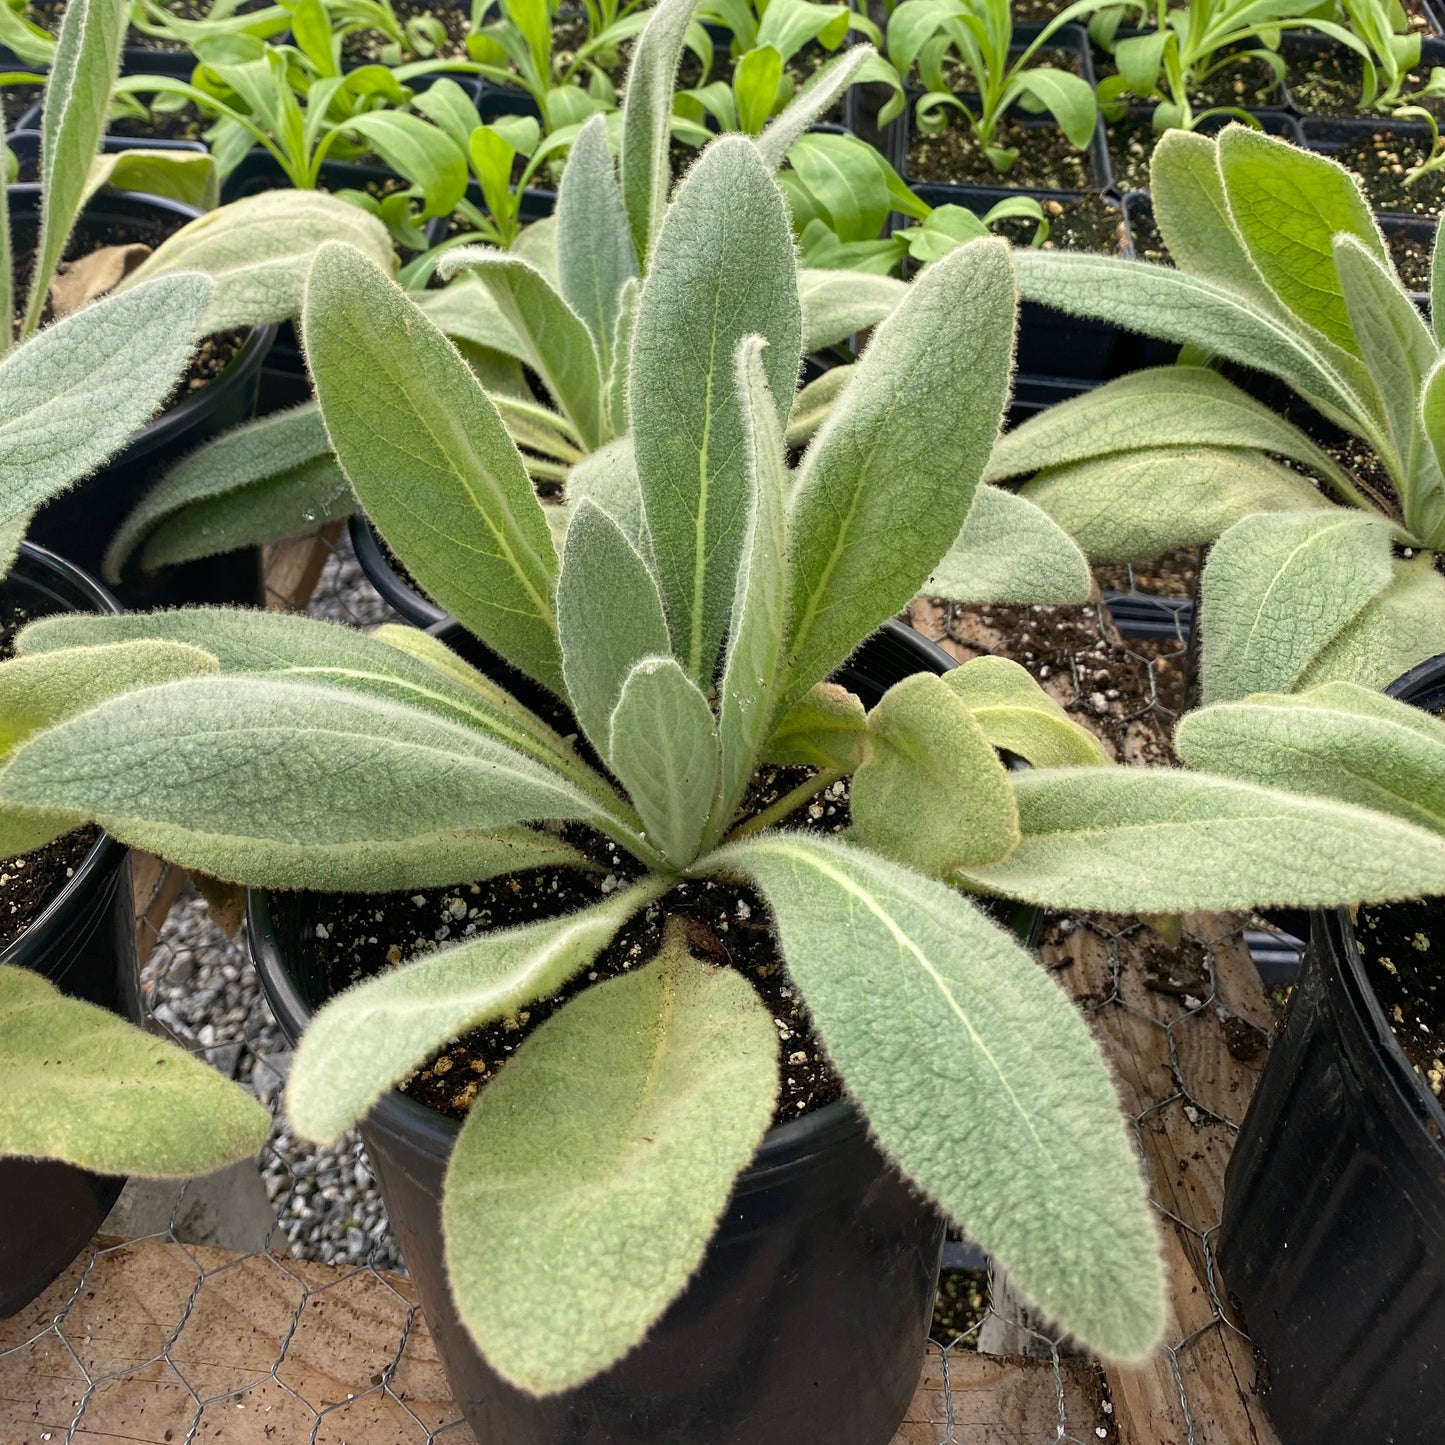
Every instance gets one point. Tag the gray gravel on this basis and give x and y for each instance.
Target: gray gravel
(200, 986)
(344, 595)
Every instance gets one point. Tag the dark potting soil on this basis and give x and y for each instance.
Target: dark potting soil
(30, 881)
(1411, 256)
(1128, 694)
(19, 99)
(1144, 233)
(1403, 948)
(1329, 81)
(960, 1306)
(185, 124)
(1380, 162)
(47, 13)
(726, 925)
(366, 46)
(1085, 223)
(1047, 159)
(1248, 83)
(1171, 575)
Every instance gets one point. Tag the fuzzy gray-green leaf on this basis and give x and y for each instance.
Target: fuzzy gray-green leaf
(430, 460)
(1133, 507)
(609, 617)
(1339, 740)
(287, 784)
(1287, 206)
(259, 250)
(289, 445)
(749, 694)
(931, 792)
(1161, 840)
(663, 746)
(83, 70)
(557, 343)
(79, 1084)
(410, 1011)
(838, 303)
(609, 478)
(75, 393)
(1011, 550)
(828, 84)
(1030, 1156)
(887, 483)
(647, 120)
(1015, 713)
(1278, 588)
(1166, 406)
(595, 255)
(723, 270)
(653, 1090)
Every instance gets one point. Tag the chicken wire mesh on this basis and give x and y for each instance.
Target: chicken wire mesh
(270, 1303)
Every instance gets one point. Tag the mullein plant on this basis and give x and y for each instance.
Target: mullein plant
(689, 618)
(542, 307)
(1321, 570)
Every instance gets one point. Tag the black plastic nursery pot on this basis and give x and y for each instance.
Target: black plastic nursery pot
(396, 591)
(80, 523)
(808, 1315)
(1302, 49)
(84, 943)
(1333, 1237)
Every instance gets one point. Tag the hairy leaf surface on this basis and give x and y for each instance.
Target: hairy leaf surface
(76, 392)
(81, 1085)
(1011, 550)
(1213, 843)
(410, 1011)
(1030, 1157)
(430, 460)
(654, 1090)
(1016, 714)
(723, 270)
(1335, 741)
(887, 483)
(838, 303)
(1278, 588)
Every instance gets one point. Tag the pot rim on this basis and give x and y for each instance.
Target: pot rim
(1423, 686)
(105, 852)
(248, 358)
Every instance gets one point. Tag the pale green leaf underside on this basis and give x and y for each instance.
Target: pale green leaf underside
(258, 251)
(410, 1011)
(1134, 507)
(1212, 843)
(81, 1085)
(1018, 715)
(1011, 550)
(1030, 1157)
(1335, 741)
(652, 1091)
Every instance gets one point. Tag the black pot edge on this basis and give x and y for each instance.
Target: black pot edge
(106, 852)
(416, 609)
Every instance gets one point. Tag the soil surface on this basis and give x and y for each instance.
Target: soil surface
(1248, 83)
(1380, 161)
(186, 123)
(727, 926)
(1047, 161)
(47, 13)
(366, 46)
(1131, 143)
(1328, 80)
(1171, 575)
(1411, 255)
(961, 1304)
(29, 882)
(1128, 692)
(1403, 948)
(1088, 223)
